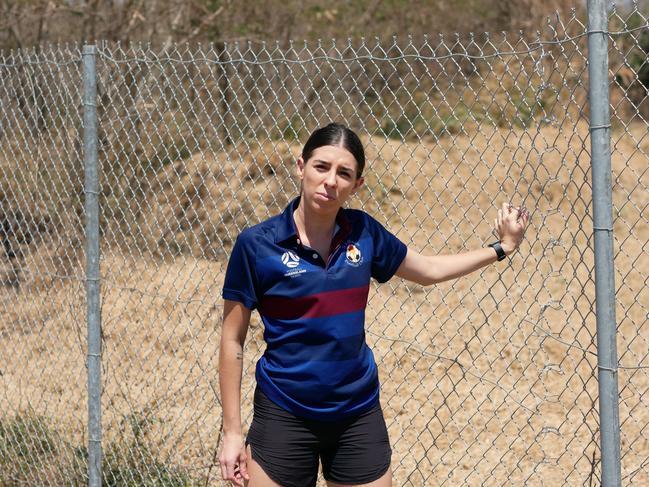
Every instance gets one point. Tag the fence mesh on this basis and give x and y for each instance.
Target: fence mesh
(490, 379)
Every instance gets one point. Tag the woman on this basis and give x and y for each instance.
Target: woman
(307, 271)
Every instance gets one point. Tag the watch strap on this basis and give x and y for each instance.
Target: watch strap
(499, 250)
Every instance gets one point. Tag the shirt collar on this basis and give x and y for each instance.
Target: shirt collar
(286, 230)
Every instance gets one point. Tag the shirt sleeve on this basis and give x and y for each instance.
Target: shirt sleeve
(240, 282)
(389, 252)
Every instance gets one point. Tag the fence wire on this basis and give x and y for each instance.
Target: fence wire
(487, 380)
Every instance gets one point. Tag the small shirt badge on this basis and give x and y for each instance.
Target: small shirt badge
(353, 255)
(290, 260)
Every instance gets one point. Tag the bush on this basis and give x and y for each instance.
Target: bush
(33, 453)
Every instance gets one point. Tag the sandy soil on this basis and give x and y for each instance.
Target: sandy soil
(489, 380)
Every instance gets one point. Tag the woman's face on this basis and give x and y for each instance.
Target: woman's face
(328, 178)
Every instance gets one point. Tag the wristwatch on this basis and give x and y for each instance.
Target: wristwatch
(499, 250)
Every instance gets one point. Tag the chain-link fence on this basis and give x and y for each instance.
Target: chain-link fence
(490, 379)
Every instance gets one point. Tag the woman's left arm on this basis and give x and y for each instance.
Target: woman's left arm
(510, 224)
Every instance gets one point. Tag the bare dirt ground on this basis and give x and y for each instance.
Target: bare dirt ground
(488, 380)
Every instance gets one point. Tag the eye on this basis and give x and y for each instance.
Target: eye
(346, 171)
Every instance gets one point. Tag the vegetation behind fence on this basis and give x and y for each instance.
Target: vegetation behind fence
(487, 380)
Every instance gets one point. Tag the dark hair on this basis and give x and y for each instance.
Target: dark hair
(336, 134)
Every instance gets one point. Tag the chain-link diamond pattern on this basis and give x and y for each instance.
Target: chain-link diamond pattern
(490, 379)
(43, 398)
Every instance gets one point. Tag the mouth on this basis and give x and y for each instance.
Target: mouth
(326, 196)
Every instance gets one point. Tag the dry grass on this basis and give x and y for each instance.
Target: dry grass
(488, 380)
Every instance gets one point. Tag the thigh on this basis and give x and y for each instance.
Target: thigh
(361, 453)
(258, 478)
(281, 447)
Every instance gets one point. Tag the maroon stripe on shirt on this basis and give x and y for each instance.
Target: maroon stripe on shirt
(319, 305)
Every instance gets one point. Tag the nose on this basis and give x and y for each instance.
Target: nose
(330, 180)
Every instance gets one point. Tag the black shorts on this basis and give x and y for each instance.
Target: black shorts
(353, 451)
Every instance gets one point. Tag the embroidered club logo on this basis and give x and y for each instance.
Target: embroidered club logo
(353, 255)
(290, 260)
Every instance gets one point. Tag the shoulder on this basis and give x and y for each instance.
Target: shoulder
(260, 231)
(359, 217)
(356, 216)
(252, 237)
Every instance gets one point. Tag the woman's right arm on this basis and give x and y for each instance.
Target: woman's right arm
(236, 318)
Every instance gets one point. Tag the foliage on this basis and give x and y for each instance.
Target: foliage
(26, 437)
(133, 462)
(637, 59)
(33, 22)
(33, 453)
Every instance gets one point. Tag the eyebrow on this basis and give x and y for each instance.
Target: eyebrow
(329, 163)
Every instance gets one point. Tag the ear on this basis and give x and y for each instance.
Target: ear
(300, 167)
(359, 182)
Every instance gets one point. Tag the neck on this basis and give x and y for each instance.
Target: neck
(312, 224)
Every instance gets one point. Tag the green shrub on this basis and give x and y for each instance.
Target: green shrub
(33, 453)
(26, 438)
(132, 462)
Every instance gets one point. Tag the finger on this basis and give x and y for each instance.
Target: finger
(229, 471)
(519, 216)
(243, 466)
(237, 479)
(224, 473)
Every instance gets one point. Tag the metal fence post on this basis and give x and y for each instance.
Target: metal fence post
(600, 137)
(92, 263)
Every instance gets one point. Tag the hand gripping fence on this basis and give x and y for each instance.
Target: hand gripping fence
(126, 173)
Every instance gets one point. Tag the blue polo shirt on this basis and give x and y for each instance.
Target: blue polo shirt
(316, 364)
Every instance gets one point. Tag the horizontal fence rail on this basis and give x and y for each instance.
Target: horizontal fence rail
(490, 379)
